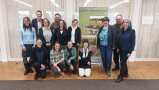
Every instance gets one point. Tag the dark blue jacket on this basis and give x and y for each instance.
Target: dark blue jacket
(127, 40)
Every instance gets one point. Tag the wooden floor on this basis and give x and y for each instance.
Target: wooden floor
(137, 70)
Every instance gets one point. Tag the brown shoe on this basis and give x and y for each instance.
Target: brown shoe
(31, 71)
(26, 72)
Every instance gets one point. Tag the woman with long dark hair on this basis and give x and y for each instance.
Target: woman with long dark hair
(27, 41)
(61, 34)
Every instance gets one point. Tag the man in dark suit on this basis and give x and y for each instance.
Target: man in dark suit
(117, 27)
(37, 23)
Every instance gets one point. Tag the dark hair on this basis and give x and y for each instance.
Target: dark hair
(86, 41)
(105, 19)
(24, 26)
(57, 42)
(69, 41)
(39, 11)
(64, 26)
(129, 22)
(39, 39)
(74, 20)
(47, 21)
(57, 14)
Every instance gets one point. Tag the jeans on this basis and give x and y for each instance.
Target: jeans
(25, 55)
(106, 54)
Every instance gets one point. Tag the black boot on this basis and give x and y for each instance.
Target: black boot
(36, 76)
(126, 75)
(115, 69)
(119, 79)
(26, 69)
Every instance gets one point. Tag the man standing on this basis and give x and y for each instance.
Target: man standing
(55, 24)
(37, 23)
(117, 27)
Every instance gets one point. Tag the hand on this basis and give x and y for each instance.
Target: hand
(33, 46)
(23, 49)
(118, 50)
(79, 58)
(89, 63)
(129, 55)
(55, 64)
(69, 61)
(48, 44)
(71, 67)
(78, 44)
(42, 67)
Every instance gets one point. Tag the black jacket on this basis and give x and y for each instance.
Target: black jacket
(77, 34)
(117, 32)
(35, 25)
(83, 63)
(41, 36)
(62, 38)
(127, 40)
(111, 37)
(34, 58)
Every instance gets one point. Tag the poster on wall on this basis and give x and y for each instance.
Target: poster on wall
(90, 22)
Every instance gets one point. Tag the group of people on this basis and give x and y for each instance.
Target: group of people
(55, 47)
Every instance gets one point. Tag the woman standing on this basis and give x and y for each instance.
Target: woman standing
(106, 42)
(28, 40)
(61, 34)
(85, 59)
(75, 33)
(126, 46)
(47, 37)
(57, 59)
(70, 57)
(39, 56)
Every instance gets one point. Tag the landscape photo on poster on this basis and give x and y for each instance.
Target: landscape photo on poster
(90, 20)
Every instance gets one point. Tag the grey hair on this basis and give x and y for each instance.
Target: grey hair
(129, 22)
(119, 15)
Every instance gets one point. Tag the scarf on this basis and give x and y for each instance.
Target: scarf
(85, 54)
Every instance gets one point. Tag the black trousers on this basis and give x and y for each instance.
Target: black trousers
(38, 71)
(73, 63)
(60, 65)
(25, 55)
(77, 47)
(116, 58)
(123, 63)
(48, 48)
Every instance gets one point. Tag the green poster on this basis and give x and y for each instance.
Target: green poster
(90, 22)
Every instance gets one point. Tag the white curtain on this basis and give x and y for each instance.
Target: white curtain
(148, 39)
